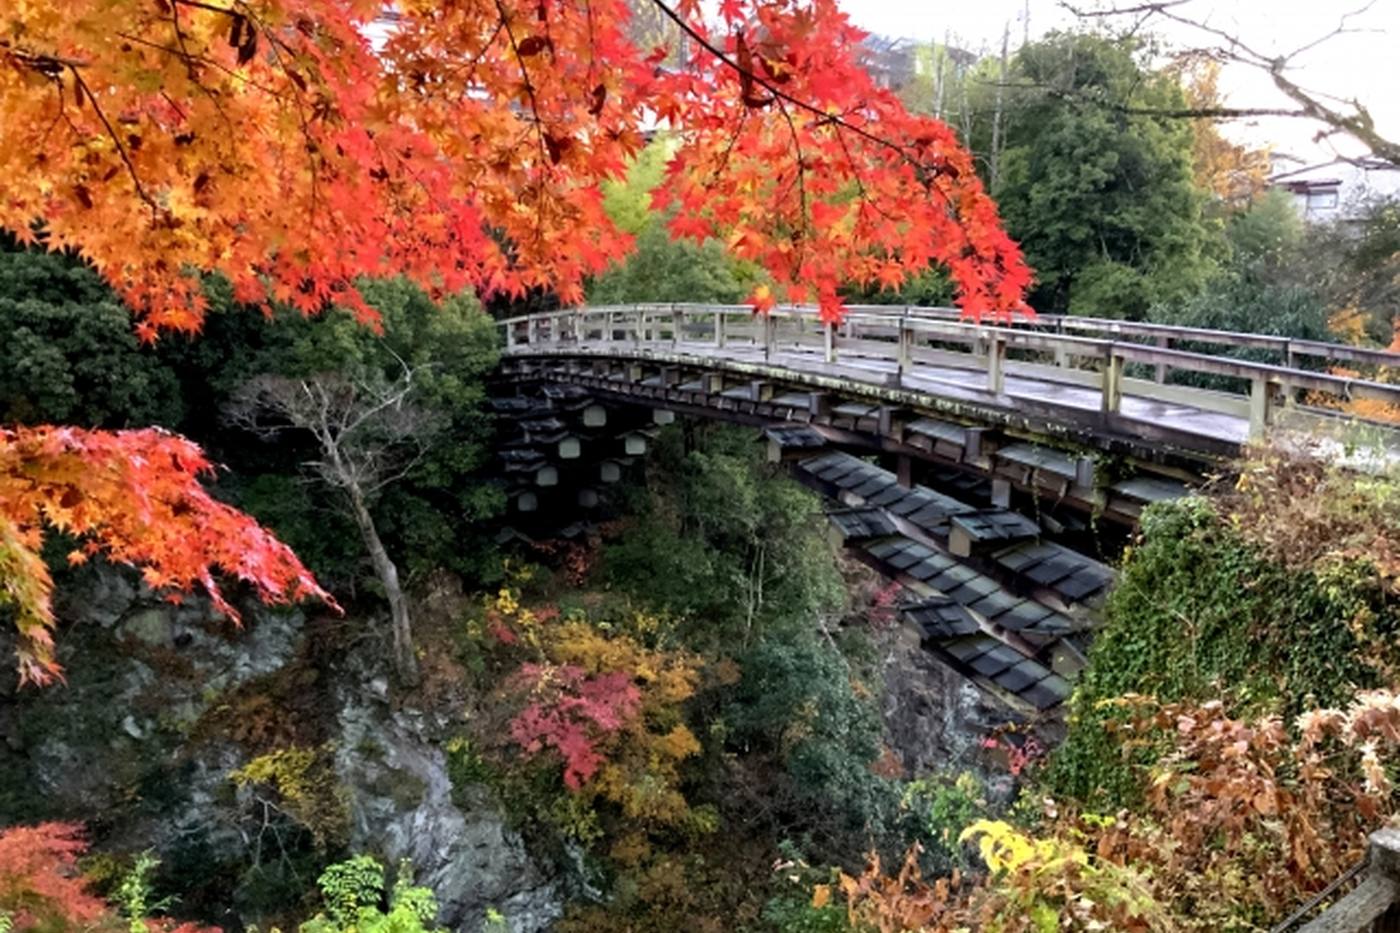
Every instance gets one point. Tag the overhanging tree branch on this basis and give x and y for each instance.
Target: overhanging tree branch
(1346, 116)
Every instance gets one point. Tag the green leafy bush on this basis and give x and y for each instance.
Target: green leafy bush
(356, 901)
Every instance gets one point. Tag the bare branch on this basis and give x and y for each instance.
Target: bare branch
(1346, 116)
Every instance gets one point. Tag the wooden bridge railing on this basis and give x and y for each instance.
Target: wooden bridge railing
(1373, 906)
(1054, 350)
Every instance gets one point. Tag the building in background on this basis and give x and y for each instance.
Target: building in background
(1335, 190)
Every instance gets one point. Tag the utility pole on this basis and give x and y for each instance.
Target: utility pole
(994, 161)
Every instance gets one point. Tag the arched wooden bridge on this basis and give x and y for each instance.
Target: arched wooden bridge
(998, 451)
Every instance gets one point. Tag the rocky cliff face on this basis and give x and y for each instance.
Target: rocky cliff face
(936, 720)
(162, 703)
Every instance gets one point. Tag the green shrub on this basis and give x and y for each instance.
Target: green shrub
(356, 902)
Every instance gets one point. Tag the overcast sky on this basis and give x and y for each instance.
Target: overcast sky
(1363, 65)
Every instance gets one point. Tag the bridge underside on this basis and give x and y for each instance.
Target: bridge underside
(986, 529)
(1092, 467)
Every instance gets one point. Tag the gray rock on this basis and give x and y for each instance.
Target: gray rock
(131, 718)
(99, 595)
(402, 807)
(936, 719)
(155, 626)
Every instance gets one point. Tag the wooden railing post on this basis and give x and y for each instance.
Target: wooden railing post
(579, 330)
(996, 365)
(510, 336)
(829, 342)
(639, 323)
(1112, 381)
(1371, 907)
(770, 334)
(1165, 343)
(1290, 359)
(719, 328)
(1261, 407)
(677, 323)
(609, 325)
(905, 349)
(1062, 355)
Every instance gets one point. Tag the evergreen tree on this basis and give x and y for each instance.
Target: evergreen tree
(1100, 197)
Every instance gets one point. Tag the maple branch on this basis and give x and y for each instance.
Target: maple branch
(534, 109)
(212, 8)
(779, 94)
(117, 141)
(801, 167)
(525, 77)
(207, 62)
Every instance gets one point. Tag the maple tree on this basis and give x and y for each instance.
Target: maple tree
(136, 497)
(39, 879)
(271, 142)
(570, 709)
(268, 141)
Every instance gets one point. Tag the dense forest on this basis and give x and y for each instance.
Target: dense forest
(698, 712)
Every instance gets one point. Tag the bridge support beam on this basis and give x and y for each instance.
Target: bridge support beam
(889, 425)
(1001, 493)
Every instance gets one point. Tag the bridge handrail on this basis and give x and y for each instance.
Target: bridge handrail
(891, 331)
(1287, 347)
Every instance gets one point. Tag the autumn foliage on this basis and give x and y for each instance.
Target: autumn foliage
(570, 712)
(136, 497)
(271, 142)
(39, 880)
(603, 708)
(1243, 819)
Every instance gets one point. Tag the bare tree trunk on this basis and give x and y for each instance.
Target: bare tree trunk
(940, 58)
(405, 660)
(994, 162)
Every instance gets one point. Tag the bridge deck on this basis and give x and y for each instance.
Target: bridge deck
(958, 382)
(1115, 392)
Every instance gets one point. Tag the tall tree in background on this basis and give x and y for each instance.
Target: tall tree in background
(662, 268)
(1232, 173)
(1101, 199)
(266, 141)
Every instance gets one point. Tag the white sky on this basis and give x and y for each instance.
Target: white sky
(1363, 65)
